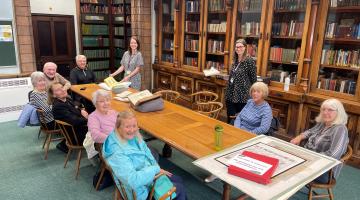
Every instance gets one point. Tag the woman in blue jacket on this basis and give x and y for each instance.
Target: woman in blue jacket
(131, 160)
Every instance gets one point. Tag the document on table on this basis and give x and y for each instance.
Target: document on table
(297, 167)
(135, 97)
(249, 164)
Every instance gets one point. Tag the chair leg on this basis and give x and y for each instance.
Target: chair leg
(46, 137)
(331, 195)
(310, 193)
(39, 133)
(117, 195)
(47, 146)
(78, 164)
(100, 177)
(67, 157)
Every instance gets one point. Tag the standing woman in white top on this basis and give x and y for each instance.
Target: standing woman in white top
(131, 62)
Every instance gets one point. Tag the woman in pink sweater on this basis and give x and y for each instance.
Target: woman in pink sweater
(101, 122)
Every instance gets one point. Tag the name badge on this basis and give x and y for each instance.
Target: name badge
(231, 80)
(127, 72)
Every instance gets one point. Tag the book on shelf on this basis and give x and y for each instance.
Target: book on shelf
(216, 5)
(249, 5)
(165, 9)
(119, 30)
(217, 26)
(191, 61)
(215, 65)
(97, 53)
(215, 46)
(294, 28)
(93, 1)
(340, 57)
(117, 10)
(192, 26)
(101, 75)
(346, 29)
(119, 19)
(167, 57)
(94, 65)
(279, 75)
(95, 41)
(191, 44)
(338, 84)
(344, 3)
(94, 18)
(88, 29)
(168, 44)
(128, 19)
(192, 6)
(168, 27)
(279, 54)
(98, 9)
(119, 42)
(248, 28)
(128, 9)
(290, 4)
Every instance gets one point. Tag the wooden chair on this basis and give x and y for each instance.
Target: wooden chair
(103, 165)
(203, 97)
(211, 109)
(48, 132)
(169, 95)
(332, 182)
(68, 131)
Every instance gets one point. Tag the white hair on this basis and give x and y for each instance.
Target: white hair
(48, 64)
(98, 93)
(341, 116)
(36, 76)
(78, 57)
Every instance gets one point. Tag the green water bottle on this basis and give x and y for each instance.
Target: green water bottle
(218, 137)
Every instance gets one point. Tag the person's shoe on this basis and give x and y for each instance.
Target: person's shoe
(167, 151)
(62, 147)
(210, 178)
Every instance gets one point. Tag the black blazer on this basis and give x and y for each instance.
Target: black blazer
(82, 76)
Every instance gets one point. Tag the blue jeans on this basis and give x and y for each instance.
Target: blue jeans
(180, 189)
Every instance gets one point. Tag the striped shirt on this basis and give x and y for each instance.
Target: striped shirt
(254, 118)
(39, 101)
(331, 141)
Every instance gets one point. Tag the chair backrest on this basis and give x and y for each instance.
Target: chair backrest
(68, 131)
(204, 96)
(211, 109)
(343, 159)
(29, 95)
(169, 95)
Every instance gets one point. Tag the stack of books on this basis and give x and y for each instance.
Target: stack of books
(87, 29)
(248, 28)
(294, 28)
(217, 26)
(344, 3)
(191, 61)
(216, 5)
(346, 29)
(338, 84)
(215, 46)
(192, 6)
(191, 44)
(290, 4)
(249, 5)
(192, 26)
(98, 53)
(279, 54)
(95, 41)
(340, 58)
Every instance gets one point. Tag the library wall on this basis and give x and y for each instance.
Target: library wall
(57, 7)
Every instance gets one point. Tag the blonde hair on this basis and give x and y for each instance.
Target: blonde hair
(127, 114)
(341, 116)
(260, 86)
(98, 93)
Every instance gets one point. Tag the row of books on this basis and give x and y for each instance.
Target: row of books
(168, 27)
(248, 28)
(216, 5)
(98, 9)
(290, 4)
(294, 28)
(337, 84)
(119, 42)
(192, 6)
(217, 65)
(191, 44)
(218, 27)
(279, 54)
(95, 41)
(347, 30)
(103, 64)
(249, 5)
(280, 75)
(119, 30)
(93, 1)
(191, 61)
(215, 46)
(101, 75)
(121, 1)
(119, 52)
(117, 10)
(192, 26)
(87, 29)
(168, 44)
(344, 3)
(340, 57)
(167, 57)
(97, 53)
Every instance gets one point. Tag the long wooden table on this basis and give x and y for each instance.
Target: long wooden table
(180, 127)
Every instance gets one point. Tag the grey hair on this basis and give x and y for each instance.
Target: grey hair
(100, 92)
(341, 116)
(49, 63)
(126, 114)
(36, 76)
(260, 86)
(79, 56)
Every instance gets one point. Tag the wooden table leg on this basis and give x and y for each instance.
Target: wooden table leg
(226, 191)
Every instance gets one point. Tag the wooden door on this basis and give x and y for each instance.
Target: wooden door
(54, 39)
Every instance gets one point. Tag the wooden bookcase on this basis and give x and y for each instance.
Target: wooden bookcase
(286, 38)
(104, 31)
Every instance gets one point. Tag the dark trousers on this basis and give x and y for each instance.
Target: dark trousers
(233, 109)
(180, 189)
(324, 178)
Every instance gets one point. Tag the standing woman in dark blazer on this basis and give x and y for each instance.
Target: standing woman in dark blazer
(242, 76)
(65, 110)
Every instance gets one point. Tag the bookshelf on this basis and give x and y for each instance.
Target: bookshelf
(105, 29)
(167, 33)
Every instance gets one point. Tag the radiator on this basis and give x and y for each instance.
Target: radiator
(13, 97)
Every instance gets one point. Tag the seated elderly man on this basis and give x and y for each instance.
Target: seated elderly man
(52, 76)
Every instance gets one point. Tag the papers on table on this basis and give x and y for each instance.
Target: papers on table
(211, 72)
(249, 164)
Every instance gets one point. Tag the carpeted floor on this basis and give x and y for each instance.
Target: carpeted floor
(26, 175)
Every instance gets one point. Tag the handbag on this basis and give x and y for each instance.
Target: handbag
(162, 186)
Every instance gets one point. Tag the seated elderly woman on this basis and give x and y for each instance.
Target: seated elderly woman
(131, 160)
(39, 98)
(256, 116)
(101, 122)
(65, 110)
(329, 136)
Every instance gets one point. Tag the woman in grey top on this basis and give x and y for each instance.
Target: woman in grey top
(131, 62)
(329, 136)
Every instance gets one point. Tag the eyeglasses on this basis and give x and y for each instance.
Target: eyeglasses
(239, 47)
(103, 101)
(328, 110)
